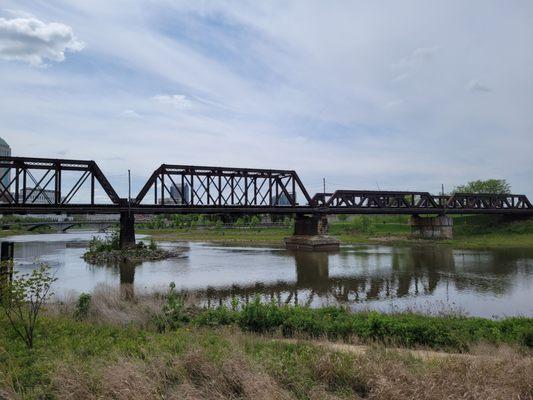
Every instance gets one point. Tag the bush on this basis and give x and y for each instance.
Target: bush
(22, 300)
(402, 329)
(82, 306)
(173, 315)
(259, 317)
(108, 243)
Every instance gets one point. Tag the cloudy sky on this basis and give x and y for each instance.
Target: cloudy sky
(402, 95)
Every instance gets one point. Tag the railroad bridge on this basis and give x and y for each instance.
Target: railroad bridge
(80, 187)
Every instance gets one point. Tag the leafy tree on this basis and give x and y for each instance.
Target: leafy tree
(23, 298)
(493, 186)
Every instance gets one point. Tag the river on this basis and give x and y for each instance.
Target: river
(426, 278)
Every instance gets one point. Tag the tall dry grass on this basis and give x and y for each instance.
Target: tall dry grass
(376, 374)
(193, 376)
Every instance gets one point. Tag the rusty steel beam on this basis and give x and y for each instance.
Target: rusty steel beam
(51, 179)
(200, 186)
(189, 189)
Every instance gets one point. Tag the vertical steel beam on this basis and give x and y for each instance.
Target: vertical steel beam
(219, 189)
(192, 189)
(92, 188)
(162, 177)
(24, 178)
(17, 172)
(155, 190)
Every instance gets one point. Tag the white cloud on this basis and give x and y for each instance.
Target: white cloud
(178, 101)
(303, 85)
(475, 86)
(31, 40)
(417, 57)
(130, 114)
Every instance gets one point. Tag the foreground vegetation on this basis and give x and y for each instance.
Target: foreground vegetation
(106, 345)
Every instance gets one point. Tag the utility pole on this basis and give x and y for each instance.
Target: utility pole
(443, 200)
(324, 184)
(129, 191)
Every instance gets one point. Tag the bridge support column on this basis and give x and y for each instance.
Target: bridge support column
(127, 229)
(440, 227)
(310, 233)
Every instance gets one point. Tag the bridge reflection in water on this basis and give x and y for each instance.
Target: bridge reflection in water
(372, 273)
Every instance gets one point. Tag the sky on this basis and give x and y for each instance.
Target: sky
(390, 95)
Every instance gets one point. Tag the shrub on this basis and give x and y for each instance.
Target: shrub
(108, 243)
(82, 306)
(22, 300)
(259, 317)
(173, 315)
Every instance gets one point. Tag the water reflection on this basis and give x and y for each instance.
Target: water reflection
(370, 273)
(485, 283)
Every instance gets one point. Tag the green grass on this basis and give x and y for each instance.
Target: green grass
(469, 232)
(13, 232)
(265, 236)
(209, 351)
(411, 330)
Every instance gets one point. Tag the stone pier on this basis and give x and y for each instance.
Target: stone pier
(311, 233)
(127, 229)
(439, 227)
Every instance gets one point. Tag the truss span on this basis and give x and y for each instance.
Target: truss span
(47, 186)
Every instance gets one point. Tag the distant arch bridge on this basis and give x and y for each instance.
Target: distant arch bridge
(62, 226)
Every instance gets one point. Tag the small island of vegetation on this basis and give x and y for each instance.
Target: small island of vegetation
(107, 250)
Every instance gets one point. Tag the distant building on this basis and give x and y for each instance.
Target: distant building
(178, 195)
(282, 199)
(36, 196)
(181, 194)
(5, 175)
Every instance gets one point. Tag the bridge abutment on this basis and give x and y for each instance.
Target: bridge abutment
(311, 233)
(439, 227)
(127, 229)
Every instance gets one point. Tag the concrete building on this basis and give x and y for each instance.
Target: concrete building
(283, 200)
(181, 194)
(38, 196)
(178, 196)
(5, 151)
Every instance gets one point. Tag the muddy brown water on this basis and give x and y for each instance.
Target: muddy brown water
(427, 278)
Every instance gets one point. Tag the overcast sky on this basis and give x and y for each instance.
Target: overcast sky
(403, 95)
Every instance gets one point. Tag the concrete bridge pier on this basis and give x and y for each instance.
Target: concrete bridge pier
(439, 227)
(311, 233)
(127, 229)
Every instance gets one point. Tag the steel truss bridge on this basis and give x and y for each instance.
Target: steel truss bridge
(45, 186)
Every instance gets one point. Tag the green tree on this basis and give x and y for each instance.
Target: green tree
(23, 298)
(493, 186)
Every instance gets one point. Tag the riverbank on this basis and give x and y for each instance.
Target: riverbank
(13, 232)
(386, 235)
(130, 350)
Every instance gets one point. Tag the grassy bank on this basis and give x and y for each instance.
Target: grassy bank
(156, 348)
(261, 236)
(13, 232)
(469, 232)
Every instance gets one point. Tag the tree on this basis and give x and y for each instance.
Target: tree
(23, 298)
(492, 186)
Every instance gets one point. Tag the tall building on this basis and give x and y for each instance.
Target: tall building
(181, 194)
(5, 173)
(5, 151)
(178, 195)
(282, 199)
